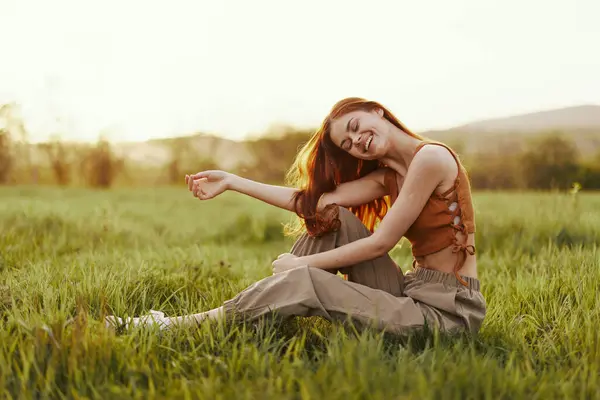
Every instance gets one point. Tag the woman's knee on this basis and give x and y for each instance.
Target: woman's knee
(306, 274)
(349, 229)
(352, 223)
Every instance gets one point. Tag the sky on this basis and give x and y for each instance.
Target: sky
(133, 70)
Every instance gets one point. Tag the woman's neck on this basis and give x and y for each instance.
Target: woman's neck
(401, 150)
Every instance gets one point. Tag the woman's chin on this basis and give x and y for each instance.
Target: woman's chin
(369, 156)
(372, 154)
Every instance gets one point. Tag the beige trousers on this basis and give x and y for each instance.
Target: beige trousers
(376, 293)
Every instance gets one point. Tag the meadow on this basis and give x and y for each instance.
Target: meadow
(70, 256)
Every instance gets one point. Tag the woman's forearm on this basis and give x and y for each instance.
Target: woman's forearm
(279, 196)
(350, 254)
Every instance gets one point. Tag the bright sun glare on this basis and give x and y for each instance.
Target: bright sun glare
(136, 70)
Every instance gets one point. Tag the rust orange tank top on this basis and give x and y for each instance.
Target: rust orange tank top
(442, 217)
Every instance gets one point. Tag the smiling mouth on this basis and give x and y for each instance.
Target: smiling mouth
(368, 142)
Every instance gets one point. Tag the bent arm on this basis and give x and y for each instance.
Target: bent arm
(360, 191)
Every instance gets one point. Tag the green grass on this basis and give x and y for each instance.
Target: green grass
(67, 257)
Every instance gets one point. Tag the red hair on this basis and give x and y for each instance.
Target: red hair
(320, 166)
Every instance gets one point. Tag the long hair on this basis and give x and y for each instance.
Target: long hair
(320, 166)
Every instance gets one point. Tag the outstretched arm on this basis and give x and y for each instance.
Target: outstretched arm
(209, 184)
(278, 196)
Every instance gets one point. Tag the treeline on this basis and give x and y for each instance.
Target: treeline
(64, 164)
(547, 161)
(94, 165)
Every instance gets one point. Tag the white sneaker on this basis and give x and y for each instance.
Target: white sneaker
(153, 318)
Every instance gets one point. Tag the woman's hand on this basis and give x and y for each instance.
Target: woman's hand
(286, 262)
(208, 184)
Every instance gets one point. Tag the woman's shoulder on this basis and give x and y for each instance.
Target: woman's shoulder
(438, 162)
(435, 155)
(436, 148)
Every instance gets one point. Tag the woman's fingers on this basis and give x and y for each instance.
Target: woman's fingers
(200, 175)
(194, 180)
(201, 191)
(190, 179)
(206, 176)
(197, 188)
(195, 184)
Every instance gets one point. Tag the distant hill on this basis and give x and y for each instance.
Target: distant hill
(581, 123)
(585, 117)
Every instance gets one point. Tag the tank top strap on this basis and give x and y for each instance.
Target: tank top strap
(420, 146)
(426, 142)
(450, 189)
(433, 142)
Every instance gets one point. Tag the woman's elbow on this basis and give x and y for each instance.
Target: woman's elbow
(382, 245)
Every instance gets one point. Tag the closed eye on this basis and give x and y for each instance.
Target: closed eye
(347, 143)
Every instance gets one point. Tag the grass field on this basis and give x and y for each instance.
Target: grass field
(69, 256)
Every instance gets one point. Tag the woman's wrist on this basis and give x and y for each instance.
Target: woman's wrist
(232, 182)
(303, 261)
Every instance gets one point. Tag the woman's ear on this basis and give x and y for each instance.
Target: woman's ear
(379, 111)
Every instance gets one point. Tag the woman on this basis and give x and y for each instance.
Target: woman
(361, 160)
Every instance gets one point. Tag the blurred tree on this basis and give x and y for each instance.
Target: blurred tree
(15, 151)
(100, 166)
(550, 162)
(178, 150)
(6, 157)
(275, 155)
(589, 175)
(59, 161)
(494, 171)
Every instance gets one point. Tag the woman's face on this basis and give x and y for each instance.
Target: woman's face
(362, 134)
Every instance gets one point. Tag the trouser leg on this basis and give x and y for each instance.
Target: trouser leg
(307, 292)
